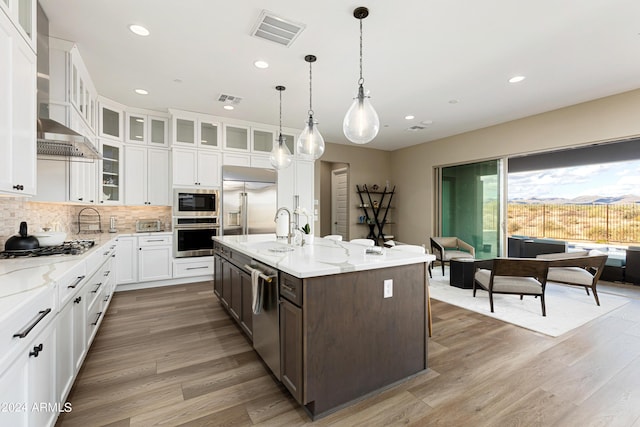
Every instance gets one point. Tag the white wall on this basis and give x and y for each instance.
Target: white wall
(608, 119)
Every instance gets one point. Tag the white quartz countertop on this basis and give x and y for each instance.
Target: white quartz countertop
(20, 277)
(324, 257)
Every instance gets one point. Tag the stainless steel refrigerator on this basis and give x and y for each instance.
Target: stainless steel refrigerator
(249, 200)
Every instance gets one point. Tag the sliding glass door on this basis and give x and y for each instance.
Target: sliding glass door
(470, 205)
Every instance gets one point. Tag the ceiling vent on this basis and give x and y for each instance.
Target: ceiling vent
(229, 99)
(416, 128)
(276, 29)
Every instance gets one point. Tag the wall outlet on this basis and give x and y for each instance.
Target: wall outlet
(388, 288)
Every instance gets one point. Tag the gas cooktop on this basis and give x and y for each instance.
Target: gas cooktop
(73, 247)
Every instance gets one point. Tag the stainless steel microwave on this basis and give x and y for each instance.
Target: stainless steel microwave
(195, 202)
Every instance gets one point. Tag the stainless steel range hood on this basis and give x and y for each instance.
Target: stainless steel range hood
(54, 138)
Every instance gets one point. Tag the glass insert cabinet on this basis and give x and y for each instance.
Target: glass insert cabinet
(111, 173)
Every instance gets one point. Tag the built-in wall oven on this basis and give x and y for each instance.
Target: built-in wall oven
(192, 236)
(195, 202)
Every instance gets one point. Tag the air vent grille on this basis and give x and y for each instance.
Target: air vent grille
(276, 29)
(229, 99)
(416, 128)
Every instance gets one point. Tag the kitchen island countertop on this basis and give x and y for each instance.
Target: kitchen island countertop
(324, 257)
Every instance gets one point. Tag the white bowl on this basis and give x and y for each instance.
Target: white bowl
(50, 238)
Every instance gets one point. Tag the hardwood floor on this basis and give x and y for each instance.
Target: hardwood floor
(172, 356)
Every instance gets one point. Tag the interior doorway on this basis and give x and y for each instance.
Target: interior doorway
(339, 205)
(334, 199)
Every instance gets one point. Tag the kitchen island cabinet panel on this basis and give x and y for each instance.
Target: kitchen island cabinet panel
(353, 336)
(291, 349)
(246, 319)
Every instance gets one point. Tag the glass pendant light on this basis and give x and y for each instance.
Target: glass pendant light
(361, 123)
(280, 156)
(310, 143)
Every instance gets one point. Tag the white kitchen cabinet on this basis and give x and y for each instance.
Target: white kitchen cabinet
(236, 137)
(195, 130)
(146, 173)
(110, 119)
(126, 260)
(111, 172)
(82, 182)
(23, 15)
(143, 258)
(148, 130)
(17, 111)
(28, 379)
(195, 167)
(189, 267)
(71, 344)
(236, 159)
(262, 140)
(297, 180)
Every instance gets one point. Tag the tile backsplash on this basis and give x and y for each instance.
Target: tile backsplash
(64, 217)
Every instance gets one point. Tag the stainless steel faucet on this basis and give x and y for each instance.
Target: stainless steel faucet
(275, 219)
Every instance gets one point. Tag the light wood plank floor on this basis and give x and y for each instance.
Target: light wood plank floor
(172, 356)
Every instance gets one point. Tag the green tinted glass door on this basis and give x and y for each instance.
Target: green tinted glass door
(470, 201)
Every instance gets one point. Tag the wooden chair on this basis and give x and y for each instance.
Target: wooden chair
(447, 248)
(583, 271)
(516, 276)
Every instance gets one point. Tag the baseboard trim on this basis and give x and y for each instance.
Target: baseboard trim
(161, 283)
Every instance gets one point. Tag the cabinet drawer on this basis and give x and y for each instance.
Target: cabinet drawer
(94, 315)
(96, 259)
(71, 283)
(154, 240)
(95, 285)
(18, 329)
(291, 288)
(197, 267)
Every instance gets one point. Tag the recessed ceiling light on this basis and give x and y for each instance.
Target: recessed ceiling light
(228, 107)
(409, 117)
(516, 79)
(261, 64)
(141, 92)
(139, 30)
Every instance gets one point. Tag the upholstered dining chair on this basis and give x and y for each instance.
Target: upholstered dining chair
(333, 237)
(516, 276)
(363, 242)
(447, 248)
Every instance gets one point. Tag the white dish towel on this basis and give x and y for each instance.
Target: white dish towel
(256, 291)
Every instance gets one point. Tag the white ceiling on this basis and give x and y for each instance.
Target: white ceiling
(419, 55)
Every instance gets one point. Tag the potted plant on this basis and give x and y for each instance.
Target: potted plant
(307, 237)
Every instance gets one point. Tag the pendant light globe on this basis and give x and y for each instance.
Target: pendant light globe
(361, 123)
(310, 144)
(280, 156)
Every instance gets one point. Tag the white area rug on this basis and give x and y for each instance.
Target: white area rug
(567, 307)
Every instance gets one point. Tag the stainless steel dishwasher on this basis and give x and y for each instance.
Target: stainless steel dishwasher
(266, 323)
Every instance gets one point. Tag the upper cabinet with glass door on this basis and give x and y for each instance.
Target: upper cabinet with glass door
(23, 14)
(195, 130)
(143, 129)
(236, 137)
(262, 140)
(110, 119)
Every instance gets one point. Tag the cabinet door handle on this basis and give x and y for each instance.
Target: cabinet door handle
(75, 283)
(106, 273)
(97, 287)
(288, 288)
(18, 187)
(196, 268)
(36, 350)
(77, 300)
(97, 318)
(34, 322)
(155, 240)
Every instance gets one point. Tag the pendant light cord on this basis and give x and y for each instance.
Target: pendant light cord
(361, 81)
(280, 139)
(310, 92)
